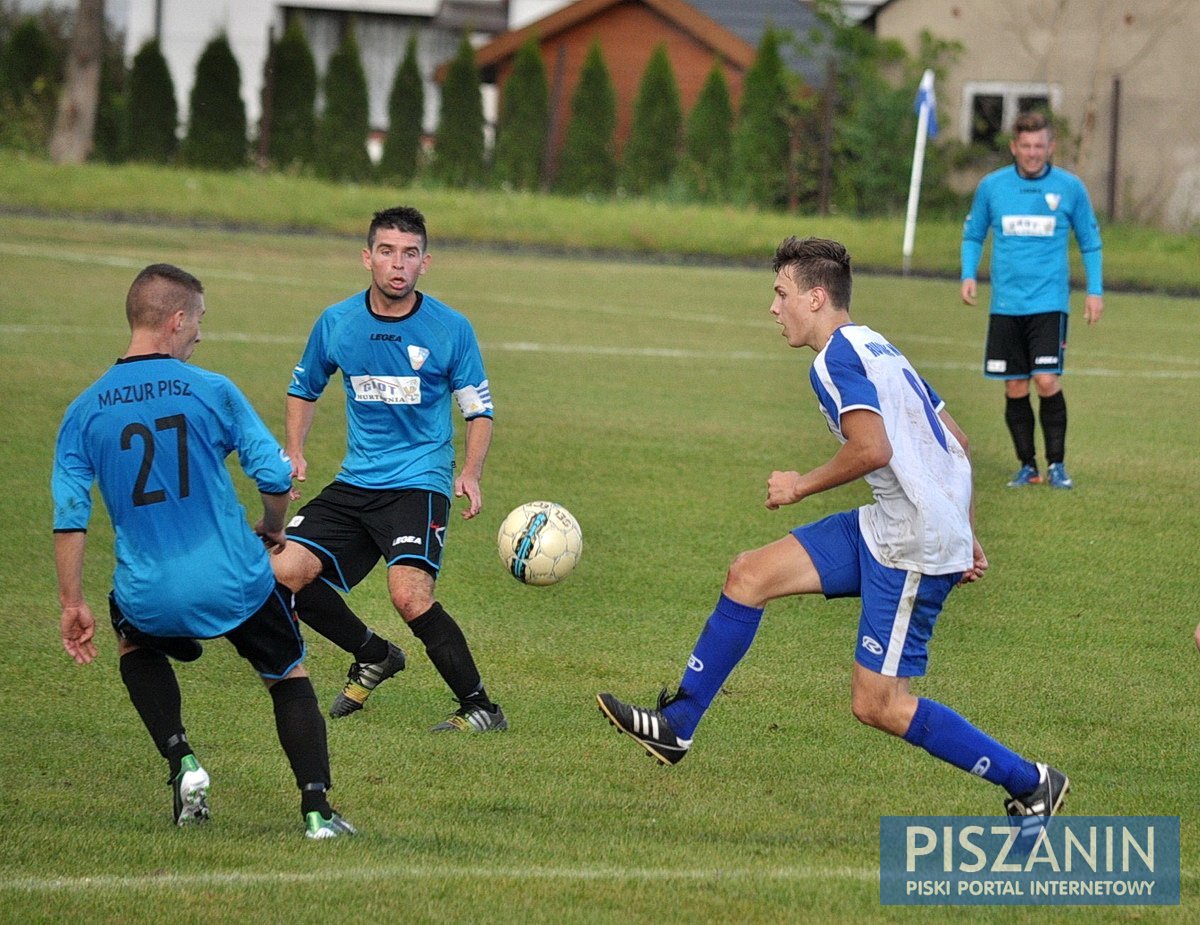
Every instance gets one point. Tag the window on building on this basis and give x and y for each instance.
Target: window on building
(991, 107)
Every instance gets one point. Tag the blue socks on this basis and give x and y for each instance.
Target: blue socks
(726, 637)
(946, 735)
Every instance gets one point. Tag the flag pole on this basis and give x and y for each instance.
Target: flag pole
(925, 98)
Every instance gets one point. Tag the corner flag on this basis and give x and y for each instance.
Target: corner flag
(927, 128)
(926, 100)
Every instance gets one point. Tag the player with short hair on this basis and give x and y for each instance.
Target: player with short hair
(902, 554)
(404, 357)
(1030, 207)
(154, 432)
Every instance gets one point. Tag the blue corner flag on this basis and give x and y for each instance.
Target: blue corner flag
(926, 98)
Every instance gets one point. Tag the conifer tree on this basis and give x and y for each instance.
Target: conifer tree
(342, 130)
(217, 116)
(112, 116)
(708, 148)
(653, 149)
(406, 119)
(458, 153)
(761, 141)
(28, 69)
(524, 121)
(293, 99)
(153, 113)
(587, 163)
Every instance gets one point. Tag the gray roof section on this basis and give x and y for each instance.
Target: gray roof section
(748, 19)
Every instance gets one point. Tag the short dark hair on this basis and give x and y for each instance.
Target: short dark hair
(398, 218)
(813, 262)
(1032, 120)
(159, 291)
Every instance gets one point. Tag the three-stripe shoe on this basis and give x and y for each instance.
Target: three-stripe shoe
(1045, 799)
(364, 677)
(649, 728)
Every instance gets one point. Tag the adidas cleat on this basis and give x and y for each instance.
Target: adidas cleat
(364, 677)
(649, 728)
(473, 717)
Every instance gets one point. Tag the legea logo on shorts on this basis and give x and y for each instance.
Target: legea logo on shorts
(996, 366)
(391, 390)
(872, 646)
(1045, 361)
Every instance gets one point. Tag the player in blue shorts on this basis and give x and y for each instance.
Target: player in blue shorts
(154, 432)
(901, 555)
(1030, 208)
(405, 358)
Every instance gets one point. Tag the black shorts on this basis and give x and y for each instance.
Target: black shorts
(351, 528)
(1020, 346)
(269, 639)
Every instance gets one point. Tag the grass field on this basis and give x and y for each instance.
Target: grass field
(653, 402)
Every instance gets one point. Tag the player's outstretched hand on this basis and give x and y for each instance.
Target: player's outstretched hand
(968, 291)
(469, 487)
(78, 632)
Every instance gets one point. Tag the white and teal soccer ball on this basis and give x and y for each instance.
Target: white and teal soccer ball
(540, 543)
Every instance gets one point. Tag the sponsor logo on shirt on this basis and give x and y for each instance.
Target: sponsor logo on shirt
(417, 356)
(1029, 226)
(391, 390)
(393, 337)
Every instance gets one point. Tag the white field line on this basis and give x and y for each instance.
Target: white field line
(598, 350)
(106, 882)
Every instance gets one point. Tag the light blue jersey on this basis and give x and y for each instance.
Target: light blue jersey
(399, 375)
(154, 432)
(1029, 219)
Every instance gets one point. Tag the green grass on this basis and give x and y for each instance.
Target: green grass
(1134, 257)
(653, 401)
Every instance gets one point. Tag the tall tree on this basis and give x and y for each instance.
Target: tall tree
(587, 163)
(217, 126)
(524, 121)
(458, 153)
(760, 145)
(652, 153)
(343, 127)
(75, 121)
(406, 119)
(708, 148)
(153, 112)
(290, 139)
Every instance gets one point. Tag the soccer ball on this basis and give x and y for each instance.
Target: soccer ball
(540, 543)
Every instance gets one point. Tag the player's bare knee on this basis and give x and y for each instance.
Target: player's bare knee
(410, 605)
(742, 581)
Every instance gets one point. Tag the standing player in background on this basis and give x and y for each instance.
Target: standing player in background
(155, 432)
(1029, 207)
(403, 356)
(902, 555)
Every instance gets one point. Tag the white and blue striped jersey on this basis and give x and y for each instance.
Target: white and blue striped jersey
(1030, 220)
(920, 520)
(399, 375)
(154, 433)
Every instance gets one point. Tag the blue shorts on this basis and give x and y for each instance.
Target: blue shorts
(899, 608)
